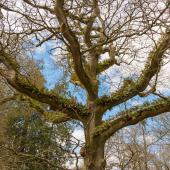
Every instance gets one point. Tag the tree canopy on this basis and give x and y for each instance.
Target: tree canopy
(120, 46)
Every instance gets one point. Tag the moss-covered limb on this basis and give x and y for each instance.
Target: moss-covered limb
(52, 116)
(147, 93)
(105, 65)
(132, 116)
(56, 117)
(152, 67)
(56, 101)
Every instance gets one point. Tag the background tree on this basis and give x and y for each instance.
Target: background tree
(28, 138)
(140, 146)
(129, 39)
(31, 143)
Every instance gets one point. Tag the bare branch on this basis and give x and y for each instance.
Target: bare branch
(74, 47)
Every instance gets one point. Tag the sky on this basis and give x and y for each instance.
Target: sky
(111, 79)
(52, 74)
(50, 71)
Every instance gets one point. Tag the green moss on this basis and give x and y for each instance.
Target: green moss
(105, 64)
(54, 117)
(103, 127)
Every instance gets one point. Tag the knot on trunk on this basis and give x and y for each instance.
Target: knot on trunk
(83, 151)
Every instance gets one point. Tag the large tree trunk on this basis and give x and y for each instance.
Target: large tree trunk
(94, 157)
(93, 152)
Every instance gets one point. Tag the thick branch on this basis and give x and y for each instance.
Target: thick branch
(74, 48)
(106, 64)
(134, 88)
(133, 116)
(52, 116)
(55, 117)
(18, 81)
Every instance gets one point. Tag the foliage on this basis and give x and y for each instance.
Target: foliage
(33, 143)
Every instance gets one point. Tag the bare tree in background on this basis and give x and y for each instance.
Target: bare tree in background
(140, 147)
(91, 37)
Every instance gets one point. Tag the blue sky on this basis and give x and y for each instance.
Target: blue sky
(53, 74)
(50, 70)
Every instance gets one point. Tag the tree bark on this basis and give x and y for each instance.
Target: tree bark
(93, 151)
(94, 157)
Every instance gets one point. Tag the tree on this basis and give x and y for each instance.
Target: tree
(140, 147)
(30, 142)
(89, 38)
(28, 139)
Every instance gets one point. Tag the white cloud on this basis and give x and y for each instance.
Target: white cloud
(79, 134)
